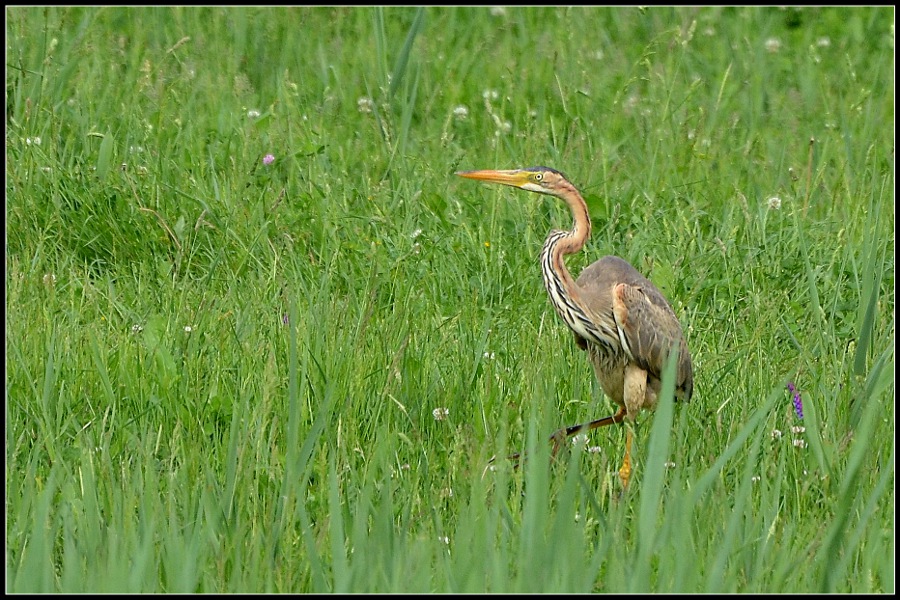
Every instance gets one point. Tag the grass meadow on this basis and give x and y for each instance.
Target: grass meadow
(259, 338)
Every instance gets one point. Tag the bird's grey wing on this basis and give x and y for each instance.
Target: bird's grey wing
(649, 330)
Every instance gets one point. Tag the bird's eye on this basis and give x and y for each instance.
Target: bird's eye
(538, 176)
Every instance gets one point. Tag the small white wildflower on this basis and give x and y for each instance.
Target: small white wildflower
(417, 248)
(440, 414)
(580, 439)
(488, 355)
(46, 169)
(799, 443)
(490, 94)
(49, 279)
(498, 11)
(461, 112)
(188, 329)
(669, 464)
(444, 539)
(774, 202)
(756, 479)
(405, 467)
(137, 328)
(505, 127)
(773, 45)
(798, 429)
(416, 233)
(253, 113)
(776, 434)
(823, 42)
(594, 449)
(136, 149)
(365, 104)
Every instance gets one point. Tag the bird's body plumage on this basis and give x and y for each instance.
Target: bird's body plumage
(617, 315)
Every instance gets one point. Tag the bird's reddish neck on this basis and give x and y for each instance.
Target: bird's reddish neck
(564, 293)
(581, 230)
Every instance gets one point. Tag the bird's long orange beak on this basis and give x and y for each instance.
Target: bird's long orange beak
(515, 178)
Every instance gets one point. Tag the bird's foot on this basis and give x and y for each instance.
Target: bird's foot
(625, 474)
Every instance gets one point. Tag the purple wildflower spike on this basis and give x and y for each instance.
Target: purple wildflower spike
(798, 402)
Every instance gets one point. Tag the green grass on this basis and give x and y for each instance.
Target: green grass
(221, 374)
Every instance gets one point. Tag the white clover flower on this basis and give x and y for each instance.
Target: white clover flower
(823, 42)
(253, 113)
(365, 104)
(461, 112)
(798, 429)
(188, 329)
(137, 328)
(440, 414)
(773, 45)
(594, 449)
(488, 355)
(498, 11)
(756, 479)
(776, 434)
(49, 279)
(580, 439)
(799, 443)
(774, 203)
(416, 233)
(669, 464)
(490, 95)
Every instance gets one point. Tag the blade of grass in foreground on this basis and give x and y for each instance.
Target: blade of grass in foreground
(654, 478)
(403, 57)
(831, 550)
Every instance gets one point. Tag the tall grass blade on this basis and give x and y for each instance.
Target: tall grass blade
(403, 58)
(654, 473)
(871, 284)
(860, 452)
(816, 305)
(105, 156)
(341, 575)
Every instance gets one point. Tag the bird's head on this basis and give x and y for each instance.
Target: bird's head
(542, 180)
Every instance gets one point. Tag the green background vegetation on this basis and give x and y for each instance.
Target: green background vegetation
(222, 374)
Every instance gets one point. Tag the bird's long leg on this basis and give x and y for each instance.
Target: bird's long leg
(560, 436)
(635, 391)
(558, 439)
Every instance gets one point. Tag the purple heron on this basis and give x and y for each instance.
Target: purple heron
(623, 322)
